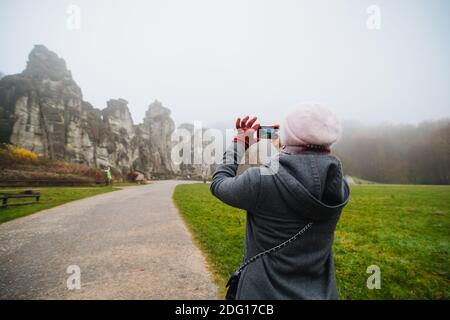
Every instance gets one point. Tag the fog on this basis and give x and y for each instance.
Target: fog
(214, 60)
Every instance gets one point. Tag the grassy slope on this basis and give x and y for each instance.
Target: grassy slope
(402, 229)
(50, 197)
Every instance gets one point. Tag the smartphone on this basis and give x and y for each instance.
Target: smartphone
(268, 132)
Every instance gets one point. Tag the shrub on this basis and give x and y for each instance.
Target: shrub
(29, 178)
(25, 165)
(11, 155)
(22, 153)
(63, 167)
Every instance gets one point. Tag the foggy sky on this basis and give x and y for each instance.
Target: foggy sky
(213, 60)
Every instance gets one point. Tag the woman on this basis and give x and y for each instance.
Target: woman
(307, 185)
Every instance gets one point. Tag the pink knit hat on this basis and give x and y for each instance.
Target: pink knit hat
(310, 123)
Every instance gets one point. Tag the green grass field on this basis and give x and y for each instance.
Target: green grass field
(50, 197)
(403, 229)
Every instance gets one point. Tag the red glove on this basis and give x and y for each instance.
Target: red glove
(246, 131)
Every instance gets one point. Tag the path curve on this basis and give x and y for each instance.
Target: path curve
(129, 244)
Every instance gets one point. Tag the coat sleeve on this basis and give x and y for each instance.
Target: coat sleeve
(238, 191)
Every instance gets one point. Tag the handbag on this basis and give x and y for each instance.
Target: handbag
(233, 282)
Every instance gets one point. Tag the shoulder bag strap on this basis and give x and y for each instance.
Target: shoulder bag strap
(276, 248)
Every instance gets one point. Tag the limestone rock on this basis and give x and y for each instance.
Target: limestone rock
(42, 109)
(196, 168)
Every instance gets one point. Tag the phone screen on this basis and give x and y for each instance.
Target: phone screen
(267, 132)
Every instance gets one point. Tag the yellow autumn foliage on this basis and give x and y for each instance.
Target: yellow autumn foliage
(22, 153)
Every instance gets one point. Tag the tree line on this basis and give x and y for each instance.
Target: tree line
(417, 154)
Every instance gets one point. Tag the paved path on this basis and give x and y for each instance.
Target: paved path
(129, 244)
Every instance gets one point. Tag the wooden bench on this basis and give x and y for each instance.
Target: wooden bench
(5, 196)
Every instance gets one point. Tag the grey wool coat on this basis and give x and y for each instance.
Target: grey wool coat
(280, 198)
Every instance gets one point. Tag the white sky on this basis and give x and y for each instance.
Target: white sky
(213, 60)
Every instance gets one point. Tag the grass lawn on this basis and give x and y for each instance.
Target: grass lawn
(405, 230)
(50, 197)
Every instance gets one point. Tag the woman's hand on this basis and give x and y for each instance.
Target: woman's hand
(246, 131)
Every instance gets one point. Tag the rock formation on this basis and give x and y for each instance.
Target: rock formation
(42, 109)
(192, 168)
